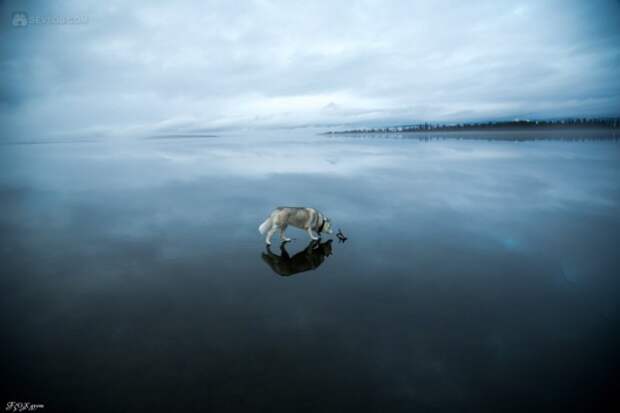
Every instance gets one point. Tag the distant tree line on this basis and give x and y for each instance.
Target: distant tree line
(573, 123)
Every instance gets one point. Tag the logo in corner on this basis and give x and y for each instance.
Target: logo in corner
(19, 19)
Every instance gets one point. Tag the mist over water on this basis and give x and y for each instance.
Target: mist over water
(478, 275)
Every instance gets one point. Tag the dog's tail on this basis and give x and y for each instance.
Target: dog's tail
(265, 226)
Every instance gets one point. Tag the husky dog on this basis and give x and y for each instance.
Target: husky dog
(308, 219)
(307, 259)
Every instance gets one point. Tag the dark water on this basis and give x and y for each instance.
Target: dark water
(478, 275)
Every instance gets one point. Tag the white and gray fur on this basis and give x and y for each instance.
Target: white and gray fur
(308, 219)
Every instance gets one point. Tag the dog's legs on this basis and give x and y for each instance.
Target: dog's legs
(282, 236)
(314, 237)
(272, 231)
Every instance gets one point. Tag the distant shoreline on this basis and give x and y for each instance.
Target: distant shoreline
(608, 124)
(495, 135)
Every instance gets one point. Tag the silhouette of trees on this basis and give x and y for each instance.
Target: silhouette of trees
(572, 123)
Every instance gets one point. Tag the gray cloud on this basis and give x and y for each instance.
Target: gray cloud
(144, 68)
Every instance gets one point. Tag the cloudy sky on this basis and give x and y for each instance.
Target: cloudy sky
(85, 68)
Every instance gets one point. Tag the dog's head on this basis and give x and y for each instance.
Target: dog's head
(327, 226)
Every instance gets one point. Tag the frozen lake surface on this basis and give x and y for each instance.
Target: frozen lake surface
(478, 275)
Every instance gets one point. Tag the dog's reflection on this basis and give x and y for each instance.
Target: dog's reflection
(308, 259)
